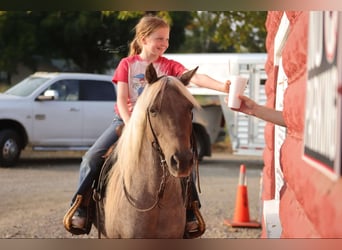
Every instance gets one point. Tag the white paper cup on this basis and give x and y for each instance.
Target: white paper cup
(236, 88)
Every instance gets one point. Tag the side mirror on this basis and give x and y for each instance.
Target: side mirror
(48, 95)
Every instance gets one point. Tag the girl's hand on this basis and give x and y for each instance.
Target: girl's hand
(130, 106)
(226, 86)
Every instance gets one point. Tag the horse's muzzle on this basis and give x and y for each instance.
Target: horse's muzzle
(181, 164)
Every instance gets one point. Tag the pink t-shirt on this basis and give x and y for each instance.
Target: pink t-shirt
(131, 70)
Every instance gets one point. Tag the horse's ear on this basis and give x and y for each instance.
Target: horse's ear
(186, 77)
(151, 74)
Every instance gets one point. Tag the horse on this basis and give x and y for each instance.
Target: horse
(144, 197)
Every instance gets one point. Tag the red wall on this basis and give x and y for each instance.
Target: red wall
(310, 202)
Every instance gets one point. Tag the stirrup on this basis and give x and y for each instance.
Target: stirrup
(67, 220)
(201, 224)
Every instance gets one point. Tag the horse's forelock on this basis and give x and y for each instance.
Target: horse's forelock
(185, 92)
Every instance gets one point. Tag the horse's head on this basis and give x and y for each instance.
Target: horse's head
(170, 119)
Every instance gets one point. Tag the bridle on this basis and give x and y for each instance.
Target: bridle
(166, 174)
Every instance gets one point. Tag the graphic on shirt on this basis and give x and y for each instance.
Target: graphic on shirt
(139, 83)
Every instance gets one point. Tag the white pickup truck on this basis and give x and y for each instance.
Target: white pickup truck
(69, 111)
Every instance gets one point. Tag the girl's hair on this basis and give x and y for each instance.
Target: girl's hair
(144, 28)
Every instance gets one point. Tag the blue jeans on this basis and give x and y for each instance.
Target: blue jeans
(93, 160)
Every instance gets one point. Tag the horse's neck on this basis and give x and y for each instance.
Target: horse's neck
(148, 169)
(147, 176)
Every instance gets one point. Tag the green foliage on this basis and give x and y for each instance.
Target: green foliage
(17, 39)
(94, 41)
(177, 20)
(244, 31)
(232, 31)
(90, 39)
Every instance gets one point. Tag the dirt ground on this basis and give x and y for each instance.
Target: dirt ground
(35, 195)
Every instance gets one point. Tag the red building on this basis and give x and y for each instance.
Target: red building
(303, 161)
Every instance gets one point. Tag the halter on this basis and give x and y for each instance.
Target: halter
(166, 174)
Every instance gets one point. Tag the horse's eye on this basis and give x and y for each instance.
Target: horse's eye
(153, 111)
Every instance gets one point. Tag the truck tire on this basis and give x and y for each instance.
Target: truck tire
(10, 148)
(203, 142)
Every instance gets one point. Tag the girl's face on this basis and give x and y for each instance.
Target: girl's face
(157, 42)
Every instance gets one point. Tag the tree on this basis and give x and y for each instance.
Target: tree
(17, 41)
(177, 20)
(90, 38)
(232, 31)
(94, 41)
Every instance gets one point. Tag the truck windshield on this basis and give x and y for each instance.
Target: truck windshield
(26, 86)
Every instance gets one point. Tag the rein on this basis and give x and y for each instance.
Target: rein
(163, 165)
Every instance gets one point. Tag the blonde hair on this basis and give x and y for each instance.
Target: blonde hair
(144, 28)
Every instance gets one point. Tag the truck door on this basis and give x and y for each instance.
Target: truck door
(98, 98)
(58, 122)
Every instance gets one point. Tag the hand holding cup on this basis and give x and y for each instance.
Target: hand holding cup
(236, 88)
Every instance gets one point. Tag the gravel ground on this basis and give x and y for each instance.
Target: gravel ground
(36, 194)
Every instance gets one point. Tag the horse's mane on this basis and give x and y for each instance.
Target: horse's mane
(130, 142)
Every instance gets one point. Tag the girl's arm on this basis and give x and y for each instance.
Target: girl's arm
(210, 83)
(122, 101)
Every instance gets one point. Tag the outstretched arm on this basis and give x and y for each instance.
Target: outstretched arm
(250, 107)
(206, 81)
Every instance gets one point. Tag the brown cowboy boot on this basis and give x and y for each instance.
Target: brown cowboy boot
(78, 219)
(195, 225)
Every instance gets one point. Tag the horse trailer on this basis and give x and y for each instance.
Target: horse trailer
(246, 133)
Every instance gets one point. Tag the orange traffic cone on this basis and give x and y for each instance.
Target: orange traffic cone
(241, 215)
